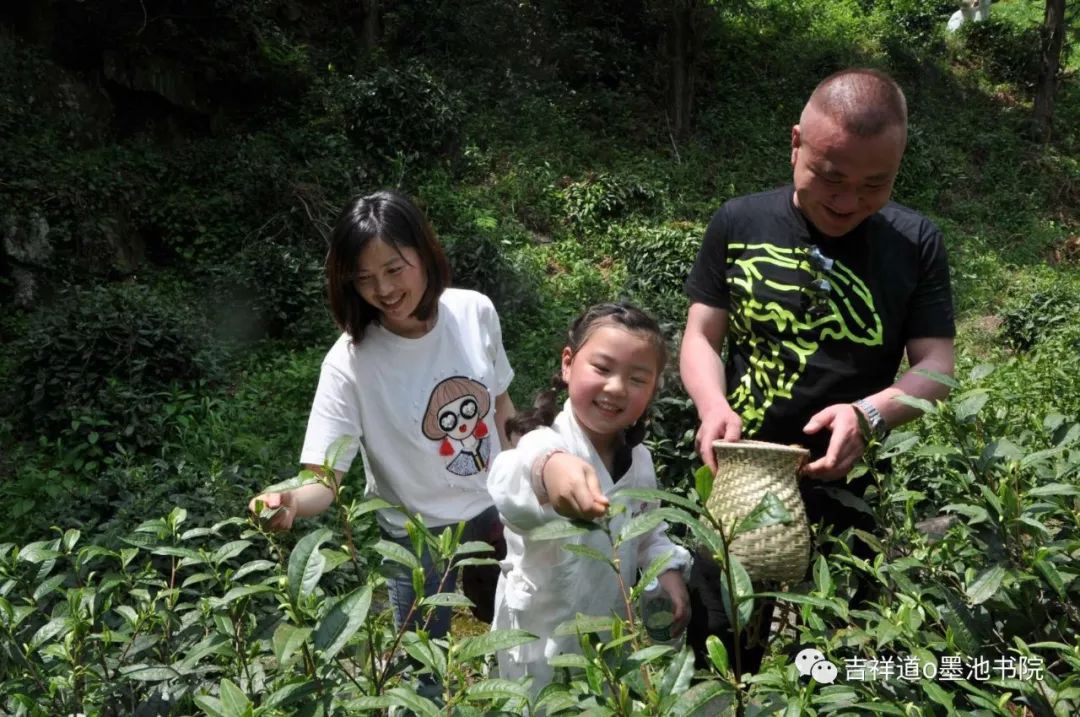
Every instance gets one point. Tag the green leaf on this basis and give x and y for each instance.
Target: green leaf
(1053, 577)
(918, 403)
(822, 578)
(648, 521)
(48, 586)
(833, 605)
(490, 642)
(252, 567)
(646, 655)
(149, 673)
(496, 689)
(128, 614)
(937, 694)
(412, 701)
(744, 588)
(473, 546)
(297, 481)
(705, 699)
(561, 530)
(71, 537)
(677, 677)
(584, 624)
(1053, 489)
(306, 564)
(655, 495)
(587, 551)
(213, 644)
(703, 483)
(194, 557)
(286, 639)
(342, 622)
(717, 654)
(985, 585)
(234, 702)
(369, 506)
(768, 511)
(397, 553)
(969, 405)
(942, 378)
(230, 550)
(569, 660)
(39, 551)
(981, 371)
(242, 592)
(210, 705)
(447, 600)
(657, 566)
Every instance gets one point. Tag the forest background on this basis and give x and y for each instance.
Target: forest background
(169, 173)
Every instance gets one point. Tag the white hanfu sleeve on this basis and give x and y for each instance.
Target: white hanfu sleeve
(510, 481)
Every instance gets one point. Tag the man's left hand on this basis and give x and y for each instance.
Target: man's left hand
(845, 446)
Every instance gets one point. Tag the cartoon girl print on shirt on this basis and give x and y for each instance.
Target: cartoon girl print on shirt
(454, 417)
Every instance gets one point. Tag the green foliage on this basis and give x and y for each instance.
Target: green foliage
(106, 354)
(1040, 314)
(1005, 51)
(394, 112)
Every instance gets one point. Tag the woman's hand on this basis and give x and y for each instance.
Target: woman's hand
(284, 505)
(673, 584)
(573, 488)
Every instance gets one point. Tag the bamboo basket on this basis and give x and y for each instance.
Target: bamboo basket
(746, 471)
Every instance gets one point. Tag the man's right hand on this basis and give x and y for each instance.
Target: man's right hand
(285, 505)
(720, 423)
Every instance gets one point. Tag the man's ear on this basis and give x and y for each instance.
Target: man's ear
(796, 141)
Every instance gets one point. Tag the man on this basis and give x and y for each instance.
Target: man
(819, 289)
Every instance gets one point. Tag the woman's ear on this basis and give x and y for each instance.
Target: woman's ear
(567, 359)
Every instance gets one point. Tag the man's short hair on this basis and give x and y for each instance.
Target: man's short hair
(864, 101)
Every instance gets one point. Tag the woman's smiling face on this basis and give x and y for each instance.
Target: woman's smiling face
(393, 281)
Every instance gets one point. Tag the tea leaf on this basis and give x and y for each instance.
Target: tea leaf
(342, 622)
(717, 654)
(587, 551)
(488, 643)
(306, 564)
(703, 483)
(985, 585)
(286, 639)
(561, 529)
(768, 511)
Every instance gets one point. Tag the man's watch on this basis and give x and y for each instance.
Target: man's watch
(873, 417)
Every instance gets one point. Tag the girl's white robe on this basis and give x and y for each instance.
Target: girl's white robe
(543, 585)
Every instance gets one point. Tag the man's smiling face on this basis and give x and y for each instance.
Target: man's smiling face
(842, 178)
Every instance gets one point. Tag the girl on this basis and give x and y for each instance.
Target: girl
(419, 377)
(575, 468)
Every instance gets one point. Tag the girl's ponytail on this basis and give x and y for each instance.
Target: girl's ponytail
(545, 408)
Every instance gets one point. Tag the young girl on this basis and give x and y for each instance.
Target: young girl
(575, 468)
(419, 377)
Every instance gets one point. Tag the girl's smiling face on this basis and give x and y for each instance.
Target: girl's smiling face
(392, 280)
(611, 380)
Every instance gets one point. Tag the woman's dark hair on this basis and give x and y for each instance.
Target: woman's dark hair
(621, 314)
(394, 218)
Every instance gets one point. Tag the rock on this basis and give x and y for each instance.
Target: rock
(27, 249)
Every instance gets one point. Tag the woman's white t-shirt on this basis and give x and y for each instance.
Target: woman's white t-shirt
(422, 408)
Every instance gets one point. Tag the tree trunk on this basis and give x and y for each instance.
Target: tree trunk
(1053, 36)
(371, 24)
(683, 46)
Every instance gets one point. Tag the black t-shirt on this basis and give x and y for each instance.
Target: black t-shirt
(802, 334)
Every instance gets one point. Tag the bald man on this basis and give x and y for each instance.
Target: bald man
(818, 290)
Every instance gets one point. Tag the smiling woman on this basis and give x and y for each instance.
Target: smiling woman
(418, 381)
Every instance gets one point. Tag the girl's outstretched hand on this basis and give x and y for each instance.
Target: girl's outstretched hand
(573, 488)
(284, 505)
(673, 584)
